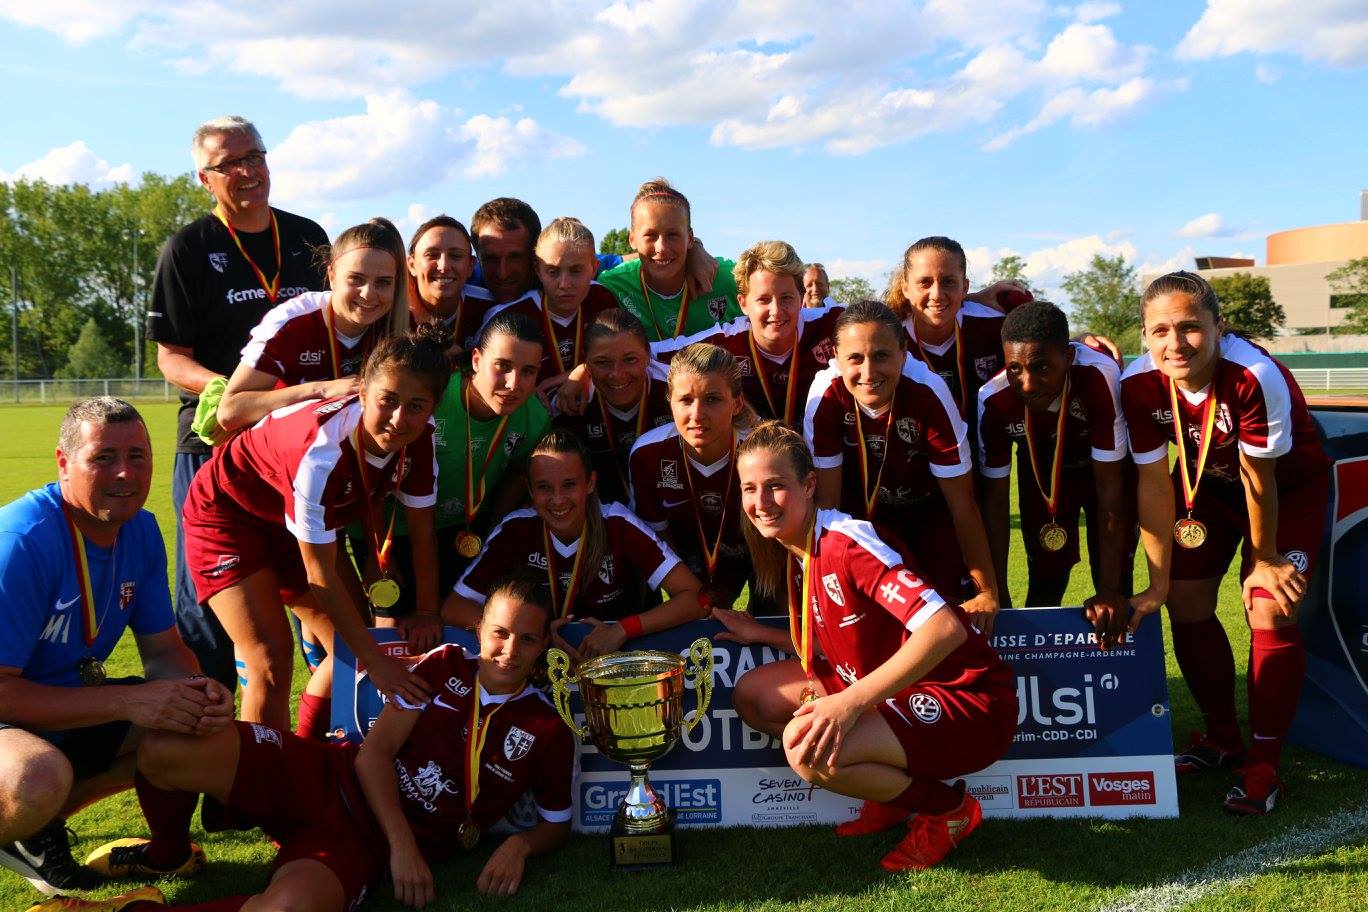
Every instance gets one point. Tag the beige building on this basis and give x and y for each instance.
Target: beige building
(1296, 264)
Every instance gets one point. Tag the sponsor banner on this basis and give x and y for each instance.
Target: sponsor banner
(1081, 712)
(1332, 716)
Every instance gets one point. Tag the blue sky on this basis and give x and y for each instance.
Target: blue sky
(1158, 130)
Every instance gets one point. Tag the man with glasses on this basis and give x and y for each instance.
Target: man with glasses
(216, 278)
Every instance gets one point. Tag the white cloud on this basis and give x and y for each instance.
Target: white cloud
(402, 144)
(1048, 266)
(1329, 31)
(73, 164)
(1208, 225)
(756, 75)
(75, 21)
(1266, 74)
(1186, 258)
(1095, 12)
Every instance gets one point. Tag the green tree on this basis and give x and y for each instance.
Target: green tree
(1247, 305)
(1106, 301)
(1013, 268)
(1350, 285)
(615, 241)
(92, 356)
(850, 290)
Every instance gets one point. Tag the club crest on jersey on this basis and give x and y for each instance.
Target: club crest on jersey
(511, 443)
(1223, 422)
(717, 308)
(823, 351)
(985, 366)
(743, 366)
(606, 570)
(711, 501)
(925, 707)
(219, 261)
(128, 591)
(832, 585)
(907, 428)
(517, 743)
(669, 475)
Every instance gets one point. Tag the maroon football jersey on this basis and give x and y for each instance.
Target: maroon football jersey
(980, 328)
(464, 324)
(1093, 430)
(291, 343)
(814, 350)
(1258, 406)
(634, 562)
(922, 439)
(866, 601)
(610, 434)
(567, 331)
(709, 497)
(297, 465)
(527, 748)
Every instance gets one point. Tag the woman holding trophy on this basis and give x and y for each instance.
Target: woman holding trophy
(420, 784)
(893, 690)
(601, 562)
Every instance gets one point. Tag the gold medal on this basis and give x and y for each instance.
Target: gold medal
(383, 593)
(468, 834)
(91, 671)
(807, 696)
(468, 544)
(1189, 532)
(1053, 537)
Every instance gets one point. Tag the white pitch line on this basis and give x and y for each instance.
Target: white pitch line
(1292, 845)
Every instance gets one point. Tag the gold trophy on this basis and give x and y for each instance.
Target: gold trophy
(633, 708)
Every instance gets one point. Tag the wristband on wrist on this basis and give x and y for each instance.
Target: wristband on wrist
(631, 625)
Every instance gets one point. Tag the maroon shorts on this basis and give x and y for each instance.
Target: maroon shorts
(949, 732)
(1222, 509)
(304, 795)
(225, 544)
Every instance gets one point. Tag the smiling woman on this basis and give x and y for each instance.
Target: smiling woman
(312, 346)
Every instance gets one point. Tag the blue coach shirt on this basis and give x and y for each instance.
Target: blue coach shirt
(40, 600)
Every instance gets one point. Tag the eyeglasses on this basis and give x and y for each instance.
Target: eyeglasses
(252, 160)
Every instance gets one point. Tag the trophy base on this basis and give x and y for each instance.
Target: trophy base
(643, 851)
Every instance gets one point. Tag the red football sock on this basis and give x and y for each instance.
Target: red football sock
(1203, 653)
(927, 796)
(226, 904)
(315, 716)
(168, 816)
(1277, 665)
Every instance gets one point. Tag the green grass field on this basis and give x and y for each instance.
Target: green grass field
(1007, 865)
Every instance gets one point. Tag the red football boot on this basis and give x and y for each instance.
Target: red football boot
(930, 837)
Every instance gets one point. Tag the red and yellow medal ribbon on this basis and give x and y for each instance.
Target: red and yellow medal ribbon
(680, 319)
(90, 625)
(479, 731)
(1193, 479)
(549, 325)
(618, 462)
(1050, 494)
(710, 554)
(562, 606)
(382, 549)
(790, 394)
(800, 610)
(871, 497)
(474, 498)
(959, 367)
(272, 287)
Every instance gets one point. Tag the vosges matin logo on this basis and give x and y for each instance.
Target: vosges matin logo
(693, 800)
(1106, 789)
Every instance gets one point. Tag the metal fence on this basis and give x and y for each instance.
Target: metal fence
(63, 392)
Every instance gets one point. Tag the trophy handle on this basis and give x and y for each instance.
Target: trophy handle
(700, 670)
(558, 670)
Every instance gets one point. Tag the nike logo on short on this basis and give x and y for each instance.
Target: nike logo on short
(63, 606)
(671, 504)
